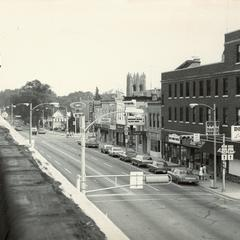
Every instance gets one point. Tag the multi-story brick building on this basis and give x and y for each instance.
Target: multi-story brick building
(217, 83)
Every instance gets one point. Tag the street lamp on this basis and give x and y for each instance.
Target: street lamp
(213, 109)
(55, 104)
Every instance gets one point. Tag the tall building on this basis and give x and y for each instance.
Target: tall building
(217, 83)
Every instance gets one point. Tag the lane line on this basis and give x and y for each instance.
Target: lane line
(153, 188)
(108, 165)
(58, 162)
(67, 170)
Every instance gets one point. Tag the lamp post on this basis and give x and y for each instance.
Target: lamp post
(213, 109)
(30, 120)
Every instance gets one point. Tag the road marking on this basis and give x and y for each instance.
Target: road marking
(58, 162)
(107, 164)
(48, 155)
(67, 170)
(153, 188)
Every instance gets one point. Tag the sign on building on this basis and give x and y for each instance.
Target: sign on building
(136, 180)
(210, 127)
(174, 138)
(136, 120)
(196, 137)
(105, 120)
(235, 133)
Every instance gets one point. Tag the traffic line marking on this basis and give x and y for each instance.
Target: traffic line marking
(107, 164)
(58, 162)
(153, 187)
(67, 170)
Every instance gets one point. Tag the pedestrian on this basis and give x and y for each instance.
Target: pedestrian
(204, 169)
(200, 173)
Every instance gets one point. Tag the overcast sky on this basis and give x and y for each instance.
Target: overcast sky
(78, 45)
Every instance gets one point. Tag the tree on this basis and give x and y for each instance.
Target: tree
(97, 95)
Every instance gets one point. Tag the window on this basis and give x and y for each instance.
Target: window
(175, 90)
(201, 88)
(238, 115)
(194, 115)
(170, 113)
(194, 89)
(238, 53)
(208, 87)
(216, 87)
(187, 114)
(158, 121)
(217, 114)
(162, 99)
(162, 122)
(141, 87)
(150, 119)
(175, 114)
(200, 114)
(181, 89)
(169, 90)
(225, 86)
(154, 120)
(187, 89)
(155, 145)
(224, 116)
(238, 85)
(181, 114)
(134, 88)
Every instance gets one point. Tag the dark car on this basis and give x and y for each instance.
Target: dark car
(34, 131)
(159, 167)
(183, 175)
(127, 157)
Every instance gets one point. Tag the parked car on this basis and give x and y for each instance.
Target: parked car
(159, 167)
(105, 148)
(183, 175)
(127, 157)
(115, 151)
(41, 131)
(141, 160)
(18, 128)
(91, 142)
(34, 131)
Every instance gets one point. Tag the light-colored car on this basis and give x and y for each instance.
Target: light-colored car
(105, 148)
(142, 160)
(34, 131)
(183, 175)
(115, 151)
(41, 131)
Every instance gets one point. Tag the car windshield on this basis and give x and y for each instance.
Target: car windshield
(117, 149)
(147, 157)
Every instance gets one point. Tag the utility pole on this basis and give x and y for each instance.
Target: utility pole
(215, 148)
(126, 131)
(223, 169)
(83, 163)
(30, 125)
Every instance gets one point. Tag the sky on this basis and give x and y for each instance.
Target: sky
(76, 45)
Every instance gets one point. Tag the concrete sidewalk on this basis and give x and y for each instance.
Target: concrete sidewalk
(232, 190)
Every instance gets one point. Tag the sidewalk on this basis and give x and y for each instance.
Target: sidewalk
(232, 190)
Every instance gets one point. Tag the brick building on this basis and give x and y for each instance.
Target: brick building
(217, 83)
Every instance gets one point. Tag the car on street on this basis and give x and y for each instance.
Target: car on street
(142, 160)
(34, 131)
(41, 131)
(127, 156)
(183, 175)
(91, 142)
(105, 148)
(18, 128)
(159, 167)
(115, 151)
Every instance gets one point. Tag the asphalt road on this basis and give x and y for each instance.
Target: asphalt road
(165, 212)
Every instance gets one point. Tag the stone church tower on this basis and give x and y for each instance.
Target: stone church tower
(136, 84)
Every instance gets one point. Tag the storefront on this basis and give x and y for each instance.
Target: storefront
(120, 138)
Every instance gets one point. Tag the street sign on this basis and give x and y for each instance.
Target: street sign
(235, 133)
(224, 157)
(210, 127)
(105, 120)
(125, 130)
(136, 120)
(227, 152)
(77, 105)
(230, 157)
(136, 180)
(196, 137)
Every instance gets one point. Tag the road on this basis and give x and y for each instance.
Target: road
(165, 212)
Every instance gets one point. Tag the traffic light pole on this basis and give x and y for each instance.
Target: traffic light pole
(83, 160)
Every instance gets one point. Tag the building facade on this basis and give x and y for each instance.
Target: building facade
(218, 84)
